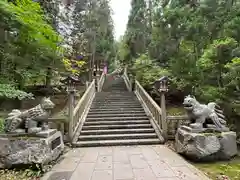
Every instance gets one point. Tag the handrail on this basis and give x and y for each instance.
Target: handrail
(152, 107)
(101, 82)
(127, 80)
(81, 109)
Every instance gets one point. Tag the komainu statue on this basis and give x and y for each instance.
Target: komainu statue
(28, 121)
(206, 138)
(210, 116)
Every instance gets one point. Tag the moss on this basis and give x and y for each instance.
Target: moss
(1, 124)
(27, 174)
(231, 169)
(175, 111)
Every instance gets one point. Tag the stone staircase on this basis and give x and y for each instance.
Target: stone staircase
(116, 117)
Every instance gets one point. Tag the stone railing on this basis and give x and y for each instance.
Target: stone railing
(127, 80)
(101, 82)
(174, 122)
(79, 113)
(152, 107)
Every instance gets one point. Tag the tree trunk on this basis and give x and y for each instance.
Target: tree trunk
(48, 77)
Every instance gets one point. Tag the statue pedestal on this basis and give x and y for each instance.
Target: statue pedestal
(26, 149)
(205, 145)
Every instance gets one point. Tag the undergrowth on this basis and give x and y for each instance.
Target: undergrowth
(1, 125)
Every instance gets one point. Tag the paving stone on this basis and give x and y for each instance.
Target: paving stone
(90, 156)
(161, 169)
(67, 164)
(138, 161)
(149, 153)
(134, 150)
(184, 173)
(83, 171)
(104, 162)
(122, 171)
(144, 174)
(60, 175)
(172, 178)
(78, 152)
(174, 161)
(120, 156)
(124, 163)
(105, 151)
(102, 175)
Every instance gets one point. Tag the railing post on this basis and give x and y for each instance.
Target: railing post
(161, 86)
(70, 113)
(70, 81)
(164, 115)
(97, 82)
(87, 84)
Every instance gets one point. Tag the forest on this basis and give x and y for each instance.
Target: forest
(41, 39)
(195, 43)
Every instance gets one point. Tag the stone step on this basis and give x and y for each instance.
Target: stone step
(111, 89)
(97, 115)
(116, 118)
(122, 126)
(116, 122)
(116, 109)
(116, 131)
(117, 88)
(116, 99)
(135, 112)
(117, 142)
(122, 109)
(116, 106)
(117, 136)
(114, 95)
(116, 103)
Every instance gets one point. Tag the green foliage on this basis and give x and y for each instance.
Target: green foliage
(27, 174)
(9, 91)
(211, 93)
(1, 125)
(232, 77)
(74, 67)
(196, 42)
(147, 71)
(217, 55)
(28, 46)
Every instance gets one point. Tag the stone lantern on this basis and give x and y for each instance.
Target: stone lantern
(161, 86)
(70, 81)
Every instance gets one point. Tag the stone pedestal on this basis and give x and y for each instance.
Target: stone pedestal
(25, 149)
(207, 145)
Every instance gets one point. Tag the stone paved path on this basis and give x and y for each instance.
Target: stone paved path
(124, 163)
